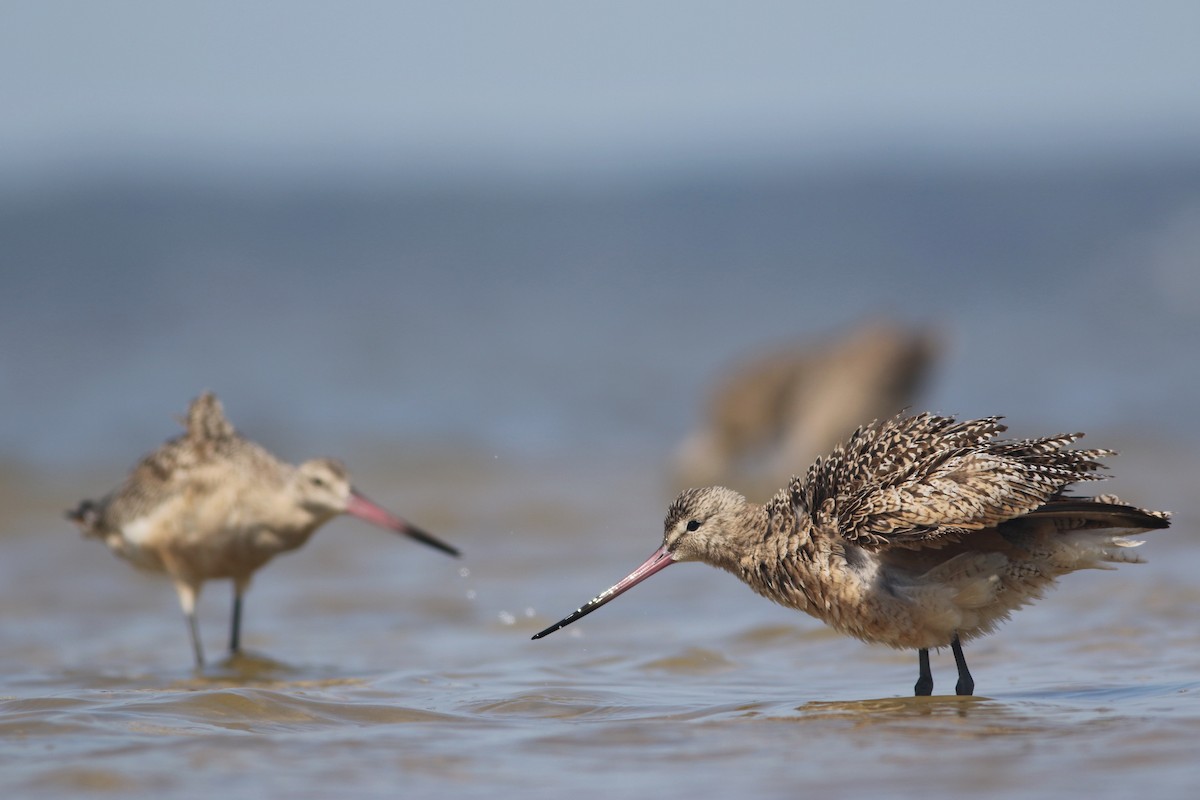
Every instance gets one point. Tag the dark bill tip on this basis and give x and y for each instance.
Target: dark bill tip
(369, 511)
(432, 541)
(661, 559)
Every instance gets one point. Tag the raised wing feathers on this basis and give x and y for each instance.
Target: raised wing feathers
(909, 481)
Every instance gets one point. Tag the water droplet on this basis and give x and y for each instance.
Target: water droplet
(507, 618)
(463, 572)
(470, 594)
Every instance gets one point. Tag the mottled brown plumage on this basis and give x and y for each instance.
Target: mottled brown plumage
(212, 504)
(919, 532)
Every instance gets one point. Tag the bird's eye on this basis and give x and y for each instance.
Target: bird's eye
(317, 480)
(692, 525)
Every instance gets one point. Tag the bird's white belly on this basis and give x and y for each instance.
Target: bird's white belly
(137, 542)
(175, 541)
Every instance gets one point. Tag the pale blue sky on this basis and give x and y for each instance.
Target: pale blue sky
(511, 85)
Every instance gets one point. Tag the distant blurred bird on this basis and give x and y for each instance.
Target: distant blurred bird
(784, 407)
(211, 504)
(918, 532)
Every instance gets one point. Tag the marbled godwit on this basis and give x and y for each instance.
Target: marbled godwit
(212, 504)
(786, 406)
(919, 532)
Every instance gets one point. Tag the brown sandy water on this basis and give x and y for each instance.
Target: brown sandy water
(379, 668)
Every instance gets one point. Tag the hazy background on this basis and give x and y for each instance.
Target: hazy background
(542, 227)
(493, 254)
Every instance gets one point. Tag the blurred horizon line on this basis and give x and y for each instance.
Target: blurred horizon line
(565, 169)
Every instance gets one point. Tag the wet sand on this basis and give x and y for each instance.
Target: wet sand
(382, 668)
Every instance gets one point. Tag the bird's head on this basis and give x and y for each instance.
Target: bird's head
(703, 524)
(324, 489)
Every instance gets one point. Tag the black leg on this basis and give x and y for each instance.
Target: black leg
(235, 629)
(188, 594)
(924, 685)
(966, 684)
(195, 632)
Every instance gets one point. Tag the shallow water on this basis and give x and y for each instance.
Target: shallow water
(381, 667)
(510, 370)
